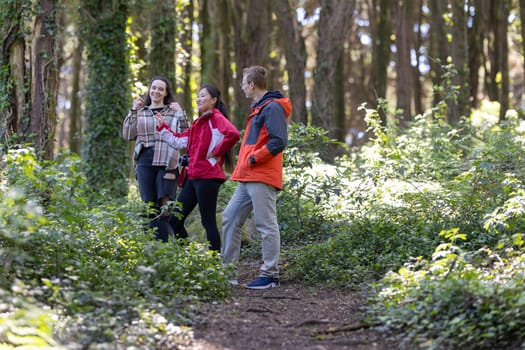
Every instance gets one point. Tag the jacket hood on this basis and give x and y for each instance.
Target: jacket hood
(270, 95)
(279, 98)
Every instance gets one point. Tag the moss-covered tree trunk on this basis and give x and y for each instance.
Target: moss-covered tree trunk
(75, 112)
(163, 27)
(107, 100)
(44, 79)
(13, 93)
(28, 75)
(522, 28)
(185, 54)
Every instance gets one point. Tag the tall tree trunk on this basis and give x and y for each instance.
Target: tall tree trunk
(522, 17)
(295, 53)
(493, 64)
(224, 73)
(13, 94)
(403, 43)
(438, 45)
(459, 106)
(140, 29)
(358, 77)
(44, 81)
(476, 37)
(418, 88)
(251, 21)
(503, 48)
(185, 37)
(339, 98)
(216, 46)
(163, 26)
(497, 82)
(104, 150)
(381, 30)
(276, 63)
(334, 25)
(208, 35)
(75, 112)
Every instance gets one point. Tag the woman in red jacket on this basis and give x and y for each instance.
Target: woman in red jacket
(209, 142)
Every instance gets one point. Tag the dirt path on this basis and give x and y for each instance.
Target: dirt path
(289, 317)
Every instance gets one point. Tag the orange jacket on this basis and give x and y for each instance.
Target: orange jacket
(261, 153)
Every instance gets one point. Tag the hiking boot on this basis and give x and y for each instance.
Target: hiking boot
(263, 283)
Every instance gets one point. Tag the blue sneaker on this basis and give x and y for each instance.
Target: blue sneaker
(263, 283)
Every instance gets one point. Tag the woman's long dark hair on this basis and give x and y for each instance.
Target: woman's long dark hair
(221, 106)
(169, 94)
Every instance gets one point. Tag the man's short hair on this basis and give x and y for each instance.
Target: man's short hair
(257, 74)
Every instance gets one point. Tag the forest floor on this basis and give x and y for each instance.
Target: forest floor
(290, 317)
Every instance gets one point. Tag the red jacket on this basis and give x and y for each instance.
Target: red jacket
(261, 153)
(199, 137)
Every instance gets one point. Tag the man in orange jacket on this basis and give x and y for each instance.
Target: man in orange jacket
(259, 172)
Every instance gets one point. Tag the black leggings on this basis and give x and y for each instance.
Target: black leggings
(203, 192)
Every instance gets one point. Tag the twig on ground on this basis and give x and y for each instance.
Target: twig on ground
(308, 322)
(346, 328)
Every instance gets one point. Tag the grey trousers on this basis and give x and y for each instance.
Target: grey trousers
(260, 198)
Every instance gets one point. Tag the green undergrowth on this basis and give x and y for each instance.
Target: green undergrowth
(457, 298)
(429, 218)
(89, 266)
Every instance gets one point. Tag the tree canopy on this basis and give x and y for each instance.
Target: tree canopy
(65, 63)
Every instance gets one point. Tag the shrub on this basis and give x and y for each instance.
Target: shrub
(365, 249)
(459, 299)
(98, 261)
(311, 197)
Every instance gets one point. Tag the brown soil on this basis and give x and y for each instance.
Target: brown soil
(290, 317)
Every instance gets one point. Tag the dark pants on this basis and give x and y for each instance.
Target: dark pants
(203, 192)
(153, 186)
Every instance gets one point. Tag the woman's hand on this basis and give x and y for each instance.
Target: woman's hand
(138, 103)
(175, 106)
(158, 119)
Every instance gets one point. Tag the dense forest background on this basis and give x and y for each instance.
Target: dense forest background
(71, 68)
(404, 174)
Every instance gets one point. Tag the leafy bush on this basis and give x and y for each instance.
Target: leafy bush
(24, 324)
(469, 294)
(351, 227)
(459, 299)
(415, 183)
(310, 200)
(23, 321)
(428, 149)
(97, 261)
(366, 248)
